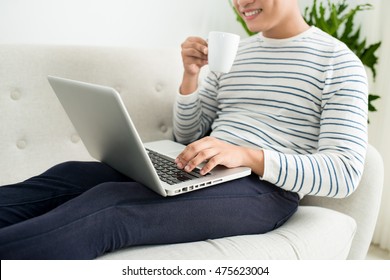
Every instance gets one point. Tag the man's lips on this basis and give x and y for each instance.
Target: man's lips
(251, 13)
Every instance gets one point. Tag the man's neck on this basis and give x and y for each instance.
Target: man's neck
(292, 27)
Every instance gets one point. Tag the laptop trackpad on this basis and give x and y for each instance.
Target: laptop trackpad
(166, 147)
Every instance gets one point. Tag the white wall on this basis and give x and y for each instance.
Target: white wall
(112, 22)
(117, 22)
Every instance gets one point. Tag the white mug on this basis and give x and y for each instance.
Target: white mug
(222, 50)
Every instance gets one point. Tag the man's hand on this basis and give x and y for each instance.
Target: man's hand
(194, 55)
(217, 152)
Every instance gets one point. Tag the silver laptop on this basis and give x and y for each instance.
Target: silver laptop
(105, 127)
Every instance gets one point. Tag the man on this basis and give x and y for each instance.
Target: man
(306, 92)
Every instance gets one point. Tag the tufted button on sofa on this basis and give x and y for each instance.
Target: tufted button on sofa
(36, 134)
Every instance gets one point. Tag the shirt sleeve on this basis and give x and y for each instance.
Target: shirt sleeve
(194, 114)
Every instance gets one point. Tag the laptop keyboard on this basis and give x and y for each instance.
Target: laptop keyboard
(167, 170)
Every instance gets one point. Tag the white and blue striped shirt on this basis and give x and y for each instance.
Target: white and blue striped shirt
(303, 100)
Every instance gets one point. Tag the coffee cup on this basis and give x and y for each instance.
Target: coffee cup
(222, 50)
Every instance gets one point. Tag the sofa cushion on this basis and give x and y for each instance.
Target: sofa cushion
(298, 238)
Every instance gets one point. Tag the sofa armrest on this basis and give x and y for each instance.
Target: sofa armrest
(363, 205)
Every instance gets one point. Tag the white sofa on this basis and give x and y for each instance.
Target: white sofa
(36, 134)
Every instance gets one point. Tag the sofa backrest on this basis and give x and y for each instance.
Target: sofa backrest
(35, 131)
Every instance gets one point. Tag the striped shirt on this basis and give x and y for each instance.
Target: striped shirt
(303, 100)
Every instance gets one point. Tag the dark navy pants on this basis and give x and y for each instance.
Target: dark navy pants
(80, 210)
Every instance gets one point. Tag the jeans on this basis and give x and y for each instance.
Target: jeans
(80, 210)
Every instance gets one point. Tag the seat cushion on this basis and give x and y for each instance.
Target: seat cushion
(301, 237)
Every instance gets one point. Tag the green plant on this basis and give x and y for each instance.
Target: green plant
(338, 20)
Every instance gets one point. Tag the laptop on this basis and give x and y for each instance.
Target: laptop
(108, 133)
